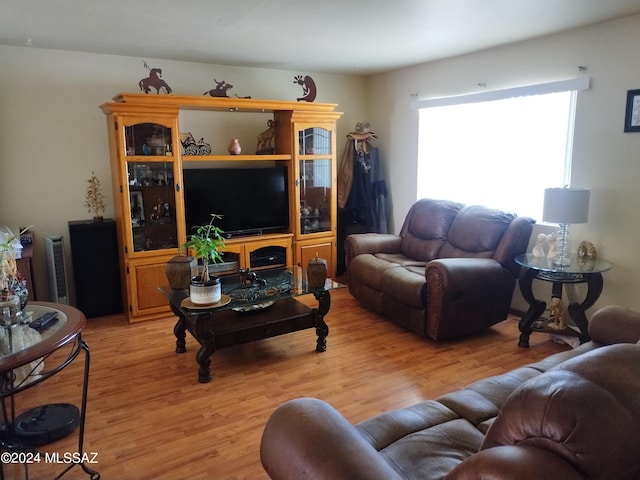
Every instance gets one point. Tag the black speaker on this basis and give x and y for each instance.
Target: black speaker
(96, 270)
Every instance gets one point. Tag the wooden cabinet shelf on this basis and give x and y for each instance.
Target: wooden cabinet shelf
(235, 158)
(147, 177)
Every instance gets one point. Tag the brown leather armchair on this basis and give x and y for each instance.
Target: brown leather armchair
(573, 415)
(450, 272)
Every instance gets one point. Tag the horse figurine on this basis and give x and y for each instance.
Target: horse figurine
(154, 81)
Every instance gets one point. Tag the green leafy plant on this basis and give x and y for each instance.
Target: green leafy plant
(206, 244)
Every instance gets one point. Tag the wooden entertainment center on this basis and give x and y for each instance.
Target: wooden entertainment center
(147, 161)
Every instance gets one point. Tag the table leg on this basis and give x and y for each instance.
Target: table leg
(204, 360)
(536, 307)
(322, 329)
(180, 331)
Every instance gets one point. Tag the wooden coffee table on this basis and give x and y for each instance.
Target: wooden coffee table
(265, 309)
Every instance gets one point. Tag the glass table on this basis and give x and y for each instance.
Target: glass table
(581, 270)
(250, 311)
(26, 359)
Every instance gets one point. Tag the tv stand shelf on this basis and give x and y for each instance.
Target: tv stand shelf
(148, 176)
(235, 158)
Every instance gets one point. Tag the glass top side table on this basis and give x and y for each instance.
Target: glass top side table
(580, 270)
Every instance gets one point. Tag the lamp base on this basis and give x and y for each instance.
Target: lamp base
(561, 261)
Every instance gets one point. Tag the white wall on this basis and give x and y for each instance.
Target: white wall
(53, 133)
(605, 159)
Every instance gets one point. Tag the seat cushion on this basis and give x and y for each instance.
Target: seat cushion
(368, 270)
(407, 285)
(424, 441)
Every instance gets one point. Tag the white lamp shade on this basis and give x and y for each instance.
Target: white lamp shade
(566, 205)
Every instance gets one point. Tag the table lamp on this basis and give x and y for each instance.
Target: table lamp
(565, 206)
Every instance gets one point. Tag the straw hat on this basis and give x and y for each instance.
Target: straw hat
(362, 131)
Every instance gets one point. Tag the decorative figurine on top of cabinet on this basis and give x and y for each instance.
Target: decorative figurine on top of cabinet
(309, 89)
(154, 80)
(220, 90)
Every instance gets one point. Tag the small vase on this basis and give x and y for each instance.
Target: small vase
(234, 147)
(180, 269)
(316, 273)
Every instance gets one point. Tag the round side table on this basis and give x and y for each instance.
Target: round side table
(580, 270)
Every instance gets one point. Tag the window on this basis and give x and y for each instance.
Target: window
(498, 149)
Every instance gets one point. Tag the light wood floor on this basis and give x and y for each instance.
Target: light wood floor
(149, 418)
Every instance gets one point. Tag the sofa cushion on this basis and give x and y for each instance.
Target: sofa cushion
(432, 453)
(406, 285)
(368, 269)
(482, 400)
(422, 441)
(401, 259)
(426, 228)
(476, 232)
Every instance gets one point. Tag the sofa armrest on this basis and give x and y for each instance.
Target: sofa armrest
(615, 324)
(466, 295)
(459, 274)
(308, 438)
(360, 243)
(509, 462)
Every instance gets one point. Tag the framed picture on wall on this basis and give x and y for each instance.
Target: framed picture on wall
(632, 115)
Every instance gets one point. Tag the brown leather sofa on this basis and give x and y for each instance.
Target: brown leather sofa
(450, 272)
(574, 415)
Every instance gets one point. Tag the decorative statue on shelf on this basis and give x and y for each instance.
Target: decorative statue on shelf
(220, 90)
(154, 80)
(309, 89)
(556, 314)
(265, 140)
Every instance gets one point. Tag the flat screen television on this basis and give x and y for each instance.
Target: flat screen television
(251, 201)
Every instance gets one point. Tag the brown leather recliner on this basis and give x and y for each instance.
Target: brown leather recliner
(573, 415)
(450, 272)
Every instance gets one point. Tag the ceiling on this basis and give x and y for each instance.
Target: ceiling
(334, 36)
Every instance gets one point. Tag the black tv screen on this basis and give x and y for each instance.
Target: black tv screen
(250, 200)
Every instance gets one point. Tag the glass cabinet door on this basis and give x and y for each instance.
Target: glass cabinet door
(151, 182)
(315, 179)
(148, 139)
(152, 205)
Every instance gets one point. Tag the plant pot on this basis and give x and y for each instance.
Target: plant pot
(205, 293)
(180, 270)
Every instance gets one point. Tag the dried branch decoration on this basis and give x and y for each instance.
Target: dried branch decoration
(94, 199)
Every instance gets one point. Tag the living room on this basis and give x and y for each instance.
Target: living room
(54, 134)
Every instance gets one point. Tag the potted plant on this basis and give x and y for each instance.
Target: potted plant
(13, 288)
(94, 198)
(206, 243)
